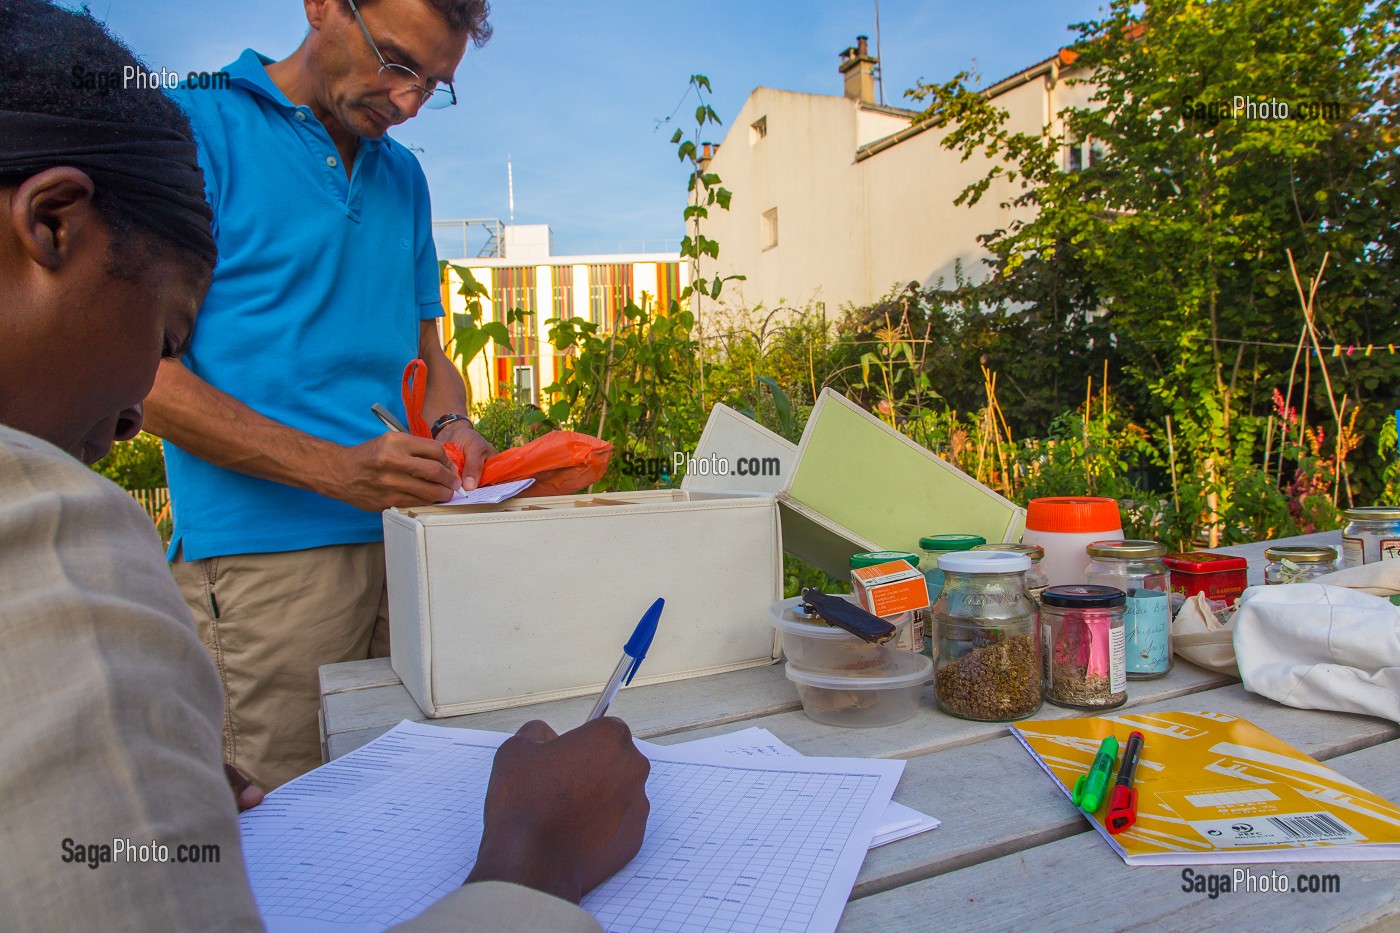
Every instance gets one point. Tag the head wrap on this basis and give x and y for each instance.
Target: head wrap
(152, 172)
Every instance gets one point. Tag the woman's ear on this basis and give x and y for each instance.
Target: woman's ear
(49, 210)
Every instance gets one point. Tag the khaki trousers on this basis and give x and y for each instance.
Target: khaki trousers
(271, 621)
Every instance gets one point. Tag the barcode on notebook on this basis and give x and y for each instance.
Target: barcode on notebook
(1227, 798)
(1314, 827)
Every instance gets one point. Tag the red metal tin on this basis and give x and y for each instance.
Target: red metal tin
(1221, 577)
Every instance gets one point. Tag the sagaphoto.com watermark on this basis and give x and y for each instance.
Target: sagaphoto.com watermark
(137, 852)
(1247, 107)
(1249, 881)
(131, 78)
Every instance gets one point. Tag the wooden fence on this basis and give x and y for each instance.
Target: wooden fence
(156, 502)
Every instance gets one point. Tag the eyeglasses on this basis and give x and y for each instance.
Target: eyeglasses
(434, 98)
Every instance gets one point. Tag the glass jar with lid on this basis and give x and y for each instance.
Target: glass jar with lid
(1136, 568)
(1082, 625)
(1372, 534)
(1036, 580)
(932, 547)
(987, 638)
(1298, 563)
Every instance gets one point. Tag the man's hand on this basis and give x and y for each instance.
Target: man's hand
(246, 794)
(564, 812)
(476, 448)
(389, 471)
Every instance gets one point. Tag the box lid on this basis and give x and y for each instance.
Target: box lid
(859, 479)
(753, 458)
(1204, 562)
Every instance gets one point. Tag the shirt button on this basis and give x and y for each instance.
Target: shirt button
(301, 115)
(330, 160)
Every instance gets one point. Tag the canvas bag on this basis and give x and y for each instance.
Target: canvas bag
(1330, 644)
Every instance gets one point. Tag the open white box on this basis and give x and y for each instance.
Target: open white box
(530, 600)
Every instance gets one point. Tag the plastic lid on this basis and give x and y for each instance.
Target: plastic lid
(906, 669)
(1126, 550)
(1083, 596)
(1034, 551)
(1073, 514)
(871, 558)
(984, 562)
(791, 616)
(1301, 553)
(1204, 562)
(951, 542)
(1373, 513)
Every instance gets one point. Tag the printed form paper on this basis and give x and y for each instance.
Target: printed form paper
(898, 821)
(763, 842)
(492, 495)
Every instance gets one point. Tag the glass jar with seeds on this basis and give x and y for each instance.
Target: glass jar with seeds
(1136, 568)
(1298, 563)
(1082, 625)
(987, 646)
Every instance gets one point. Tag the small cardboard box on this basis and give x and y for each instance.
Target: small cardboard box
(530, 600)
(890, 588)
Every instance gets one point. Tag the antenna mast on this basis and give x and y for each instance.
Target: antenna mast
(510, 188)
(879, 59)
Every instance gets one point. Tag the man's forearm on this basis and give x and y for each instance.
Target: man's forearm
(214, 426)
(446, 391)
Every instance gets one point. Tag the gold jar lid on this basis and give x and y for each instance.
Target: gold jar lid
(1373, 513)
(1301, 553)
(1033, 551)
(1126, 550)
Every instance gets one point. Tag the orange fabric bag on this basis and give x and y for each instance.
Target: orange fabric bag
(562, 463)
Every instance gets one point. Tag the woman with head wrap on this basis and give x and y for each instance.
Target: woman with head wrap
(110, 707)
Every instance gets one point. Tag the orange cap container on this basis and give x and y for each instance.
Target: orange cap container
(1073, 514)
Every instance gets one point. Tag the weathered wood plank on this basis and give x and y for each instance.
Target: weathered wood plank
(1254, 552)
(1078, 881)
(932, 729)
(357, 716)
(357, 675)
(994, 799)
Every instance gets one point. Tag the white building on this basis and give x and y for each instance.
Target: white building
(837, 199)
(530, 277)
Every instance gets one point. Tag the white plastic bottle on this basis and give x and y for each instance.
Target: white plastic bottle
(1065, 526)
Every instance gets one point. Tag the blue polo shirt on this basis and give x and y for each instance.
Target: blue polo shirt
(314, 309)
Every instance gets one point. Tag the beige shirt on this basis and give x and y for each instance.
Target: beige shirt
(109, 728)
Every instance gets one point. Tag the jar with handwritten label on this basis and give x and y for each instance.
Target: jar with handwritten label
(987, 645)
(1136, 568)
(1372, 534)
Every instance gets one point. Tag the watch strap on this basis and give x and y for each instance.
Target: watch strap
(447, 419)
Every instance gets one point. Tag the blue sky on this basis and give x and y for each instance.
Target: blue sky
(573, 92)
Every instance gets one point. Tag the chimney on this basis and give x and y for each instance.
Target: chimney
(707, 152)
(858, 67)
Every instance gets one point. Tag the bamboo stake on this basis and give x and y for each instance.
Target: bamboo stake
(1171, 459)
(1288, 400)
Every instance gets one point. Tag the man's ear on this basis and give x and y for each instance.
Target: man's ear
(317, 11)
(50, 211)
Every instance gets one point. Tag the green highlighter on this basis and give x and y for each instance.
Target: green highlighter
(1089, 790)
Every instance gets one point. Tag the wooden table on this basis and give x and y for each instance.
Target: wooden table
(1012, 852)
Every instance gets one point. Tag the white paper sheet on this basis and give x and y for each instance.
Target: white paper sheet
(492, 495)
(897, 822)
(766, 842)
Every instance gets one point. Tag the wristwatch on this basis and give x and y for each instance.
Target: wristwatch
(447, 419)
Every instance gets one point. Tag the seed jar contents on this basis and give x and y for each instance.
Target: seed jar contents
(988, 643)
(1136, 568)
(1084, 646)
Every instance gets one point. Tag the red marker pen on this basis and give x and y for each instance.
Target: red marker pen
(1122, 803)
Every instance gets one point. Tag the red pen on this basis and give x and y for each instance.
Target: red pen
(1122, 803)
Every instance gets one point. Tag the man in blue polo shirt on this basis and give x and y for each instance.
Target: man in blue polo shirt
(327, 286)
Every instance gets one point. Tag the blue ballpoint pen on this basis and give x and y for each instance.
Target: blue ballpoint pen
(632, 655)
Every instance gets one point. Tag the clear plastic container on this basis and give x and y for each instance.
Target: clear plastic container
(1372, 534)
(1036, 580)
(812, 645)
(864, 700)
(1136, 568)
(988, 638)
(1298, 563)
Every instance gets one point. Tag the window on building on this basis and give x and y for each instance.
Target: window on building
(562, 306)
(609, 291)
(668, 285)
(768, 228)
(1081, 153)
(524, 385)
(757, 130)
(513, 288)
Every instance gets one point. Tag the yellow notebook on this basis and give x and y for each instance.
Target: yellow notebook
(1216, 789)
